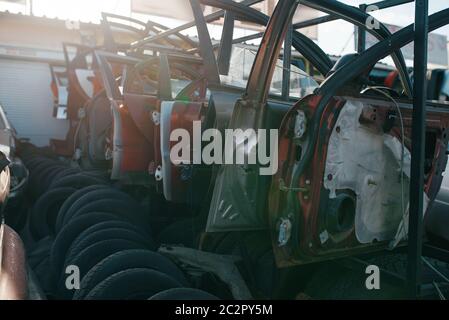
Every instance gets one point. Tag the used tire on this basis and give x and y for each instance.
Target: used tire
(70, 201)
(125, 210)
(84, 241)
(122, 224)
(49, 177)
(90, 256)
(35, 186)
(69, 233)
(100, 221)
(129, 259)
(132, 284)
(183, 294)
(45, 211)
(64, 173)
(76, 181)
(90, 196)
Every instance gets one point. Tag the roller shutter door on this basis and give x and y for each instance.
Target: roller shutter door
(26, 97)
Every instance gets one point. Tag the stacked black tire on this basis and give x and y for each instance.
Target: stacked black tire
(90, 240)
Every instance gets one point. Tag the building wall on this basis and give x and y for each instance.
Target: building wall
(26, 98)
(27, 44)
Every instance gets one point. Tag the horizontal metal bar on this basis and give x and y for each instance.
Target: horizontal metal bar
(247, 38)
(162, 48)
(385, 4)
(241, 12)
(328, 18)
(234, 41)
(315, 21)
(116, 58)
(359, 18)
(106, 15)
(126, 27)
(209, 18)
(184, 58)
(179, 35)
(296, 26)
(436, 253)
(428, 290)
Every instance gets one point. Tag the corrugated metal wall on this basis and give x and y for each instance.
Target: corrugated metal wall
(26, 97)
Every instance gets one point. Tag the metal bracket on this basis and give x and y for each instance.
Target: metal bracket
(156, 117)
(158, 173)
(221, 265)
(283, 187)
(81, 113)
(300, 125)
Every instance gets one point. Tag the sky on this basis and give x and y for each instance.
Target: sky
(334, 37)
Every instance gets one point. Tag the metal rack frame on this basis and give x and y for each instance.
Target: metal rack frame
(415, 248)
(415, 243)
(415, 232)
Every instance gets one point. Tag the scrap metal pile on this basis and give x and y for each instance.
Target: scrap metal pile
(109, 207)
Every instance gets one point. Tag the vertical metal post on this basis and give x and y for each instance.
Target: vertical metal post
(286, 63)
(361, 34)
(205, 43)
(225, 51)
(418, 148)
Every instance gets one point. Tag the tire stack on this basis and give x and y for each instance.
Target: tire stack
(48, 173)
(80, 220)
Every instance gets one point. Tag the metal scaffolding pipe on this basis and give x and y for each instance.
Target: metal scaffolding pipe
(418, 149)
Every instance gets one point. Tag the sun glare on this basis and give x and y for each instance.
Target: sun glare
(83, 10)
